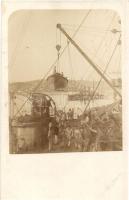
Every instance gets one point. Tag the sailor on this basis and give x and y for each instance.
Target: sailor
(21, 145)
(77, 139)
(92, 138)
(85, 136)
(85, 120)
(56, 131)
(50, 137)
(69, 114)
(69, 135)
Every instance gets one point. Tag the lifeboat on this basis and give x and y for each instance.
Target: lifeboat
(57, 81)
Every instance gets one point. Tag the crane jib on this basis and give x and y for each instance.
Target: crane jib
(87, 58)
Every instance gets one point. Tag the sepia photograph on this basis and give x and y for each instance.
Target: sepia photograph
(65, 81)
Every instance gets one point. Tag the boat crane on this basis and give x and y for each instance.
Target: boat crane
(88, 59)
(57, 81)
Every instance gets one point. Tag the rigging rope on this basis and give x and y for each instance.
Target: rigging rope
(102, 57)
(58, 47)
(20, 39)
(101, 77)
(102, 41)
(70, 61)
(95, 54)
(118, 63)
(41, 81)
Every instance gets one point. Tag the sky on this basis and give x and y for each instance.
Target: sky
(33, 36)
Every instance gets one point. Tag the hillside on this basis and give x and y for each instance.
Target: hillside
(73, 85)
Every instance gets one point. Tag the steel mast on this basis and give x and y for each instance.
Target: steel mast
(88, 59)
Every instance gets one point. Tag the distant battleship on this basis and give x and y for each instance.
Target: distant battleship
(84, 97)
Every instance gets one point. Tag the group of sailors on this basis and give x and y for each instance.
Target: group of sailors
(70, 131)
(87, 132)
